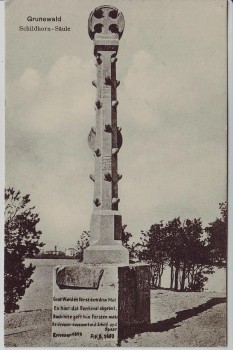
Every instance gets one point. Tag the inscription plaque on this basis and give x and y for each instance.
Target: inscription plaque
(107, 164)
(86, 317)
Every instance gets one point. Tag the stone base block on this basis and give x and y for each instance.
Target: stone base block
(106, 254)
(106, 226)
(93, 305)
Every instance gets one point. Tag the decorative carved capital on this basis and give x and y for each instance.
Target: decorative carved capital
(106, 22)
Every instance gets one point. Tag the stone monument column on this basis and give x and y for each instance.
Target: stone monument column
(103, 299)
(105, 27)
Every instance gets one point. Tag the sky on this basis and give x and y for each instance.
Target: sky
(172, 110)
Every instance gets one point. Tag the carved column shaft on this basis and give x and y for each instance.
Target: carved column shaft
(106, 181)
(106, 25)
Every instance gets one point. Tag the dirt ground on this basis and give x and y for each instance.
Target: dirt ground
(177, 319)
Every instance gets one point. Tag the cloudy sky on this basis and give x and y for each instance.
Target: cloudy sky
(172, 110)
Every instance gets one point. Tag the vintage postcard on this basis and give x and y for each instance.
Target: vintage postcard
(116, 205)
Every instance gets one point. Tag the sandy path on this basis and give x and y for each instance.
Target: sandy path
(177, 319)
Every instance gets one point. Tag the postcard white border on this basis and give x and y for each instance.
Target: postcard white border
(230, 172)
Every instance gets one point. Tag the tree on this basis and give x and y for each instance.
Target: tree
(82, 244)
(174, 249)
(132, 248)
(188, 254)
(196, 262)
(217, 237)
(181, 246)
(125, 237)
(153, 250)
(22, 240)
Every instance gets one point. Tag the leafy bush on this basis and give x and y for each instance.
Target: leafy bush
(21, 241)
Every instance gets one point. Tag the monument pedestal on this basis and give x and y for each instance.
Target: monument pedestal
(94, 304)
(105, 241)
(99, 254)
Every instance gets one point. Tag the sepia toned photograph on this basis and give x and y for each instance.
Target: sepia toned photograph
(116, 144)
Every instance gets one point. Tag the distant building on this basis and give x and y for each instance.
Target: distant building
(54, 252)
(71, 252)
